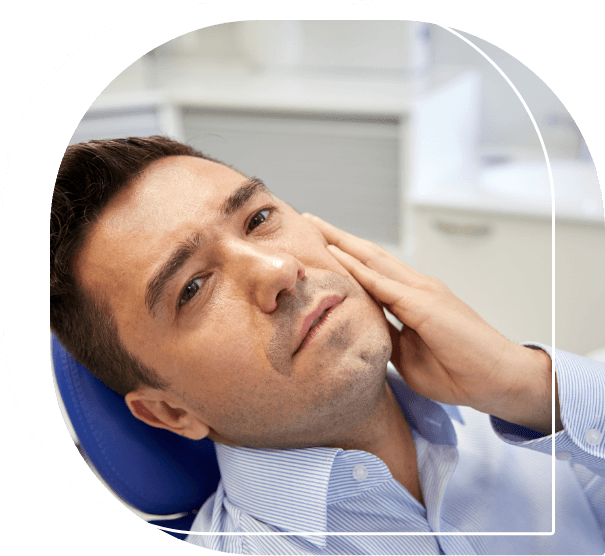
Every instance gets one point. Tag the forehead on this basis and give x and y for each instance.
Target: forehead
(171, 190)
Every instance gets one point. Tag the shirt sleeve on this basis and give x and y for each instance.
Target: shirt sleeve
(581, 383)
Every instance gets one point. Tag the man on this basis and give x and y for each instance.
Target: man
(219, 311)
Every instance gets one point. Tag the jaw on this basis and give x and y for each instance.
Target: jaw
(337, 403)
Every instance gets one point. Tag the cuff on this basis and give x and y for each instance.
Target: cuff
(581, 383)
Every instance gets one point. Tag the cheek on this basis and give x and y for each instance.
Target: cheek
(231, 344)
(309, 245)
(218, 372)
(235, 342)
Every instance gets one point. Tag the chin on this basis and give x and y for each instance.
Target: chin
(345, 400)
(363, 377)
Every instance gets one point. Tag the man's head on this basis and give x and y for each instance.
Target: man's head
(208, 284)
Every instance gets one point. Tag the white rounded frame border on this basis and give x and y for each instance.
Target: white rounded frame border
(201, 2)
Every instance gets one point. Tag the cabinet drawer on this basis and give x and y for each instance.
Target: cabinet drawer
(500, 266)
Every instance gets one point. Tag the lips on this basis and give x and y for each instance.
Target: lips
(315, 318)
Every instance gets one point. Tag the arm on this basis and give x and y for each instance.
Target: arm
(445, 351)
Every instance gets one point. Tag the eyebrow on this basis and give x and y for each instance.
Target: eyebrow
(241, 196)
(158, 283)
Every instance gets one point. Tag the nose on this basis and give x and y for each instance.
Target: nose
(266, 273)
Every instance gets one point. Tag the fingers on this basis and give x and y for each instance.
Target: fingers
(370, 254)
(388, 280)
(360, 248)
(384, 289)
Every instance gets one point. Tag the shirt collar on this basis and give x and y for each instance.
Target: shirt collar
(430, 419)
(289, 488)
(284, 488)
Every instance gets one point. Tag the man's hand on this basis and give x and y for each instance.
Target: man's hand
(445, 351)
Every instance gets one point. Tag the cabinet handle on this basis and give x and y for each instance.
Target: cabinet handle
(476, 230)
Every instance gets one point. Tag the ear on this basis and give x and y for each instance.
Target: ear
(162, 410)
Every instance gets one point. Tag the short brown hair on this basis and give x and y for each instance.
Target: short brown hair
(90, 175)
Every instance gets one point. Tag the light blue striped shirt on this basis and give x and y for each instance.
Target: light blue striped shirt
(478, 475)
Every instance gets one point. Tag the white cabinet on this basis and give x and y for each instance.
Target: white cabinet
(501, 265)
(580, 286)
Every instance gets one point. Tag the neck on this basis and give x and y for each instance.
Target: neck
(387, 435)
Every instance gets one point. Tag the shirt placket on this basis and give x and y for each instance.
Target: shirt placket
(436, 468)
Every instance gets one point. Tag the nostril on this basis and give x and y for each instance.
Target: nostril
(285, 291)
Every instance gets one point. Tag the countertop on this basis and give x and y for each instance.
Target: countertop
(523, 188)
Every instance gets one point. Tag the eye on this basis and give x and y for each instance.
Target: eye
(190, 291)
(259, 218)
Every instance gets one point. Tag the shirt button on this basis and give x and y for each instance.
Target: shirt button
(360, 472)
(563, 456)
(593, 436)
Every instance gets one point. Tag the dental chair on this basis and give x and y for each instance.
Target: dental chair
(153, 471)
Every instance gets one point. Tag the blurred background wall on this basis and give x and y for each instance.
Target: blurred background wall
(400, 132)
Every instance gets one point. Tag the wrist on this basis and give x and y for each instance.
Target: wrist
(527, 397)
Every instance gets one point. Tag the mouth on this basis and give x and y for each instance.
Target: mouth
(313, 322)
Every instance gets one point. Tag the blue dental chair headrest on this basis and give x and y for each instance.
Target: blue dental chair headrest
(151, 469)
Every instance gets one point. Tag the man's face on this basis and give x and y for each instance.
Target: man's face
(234, 277)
